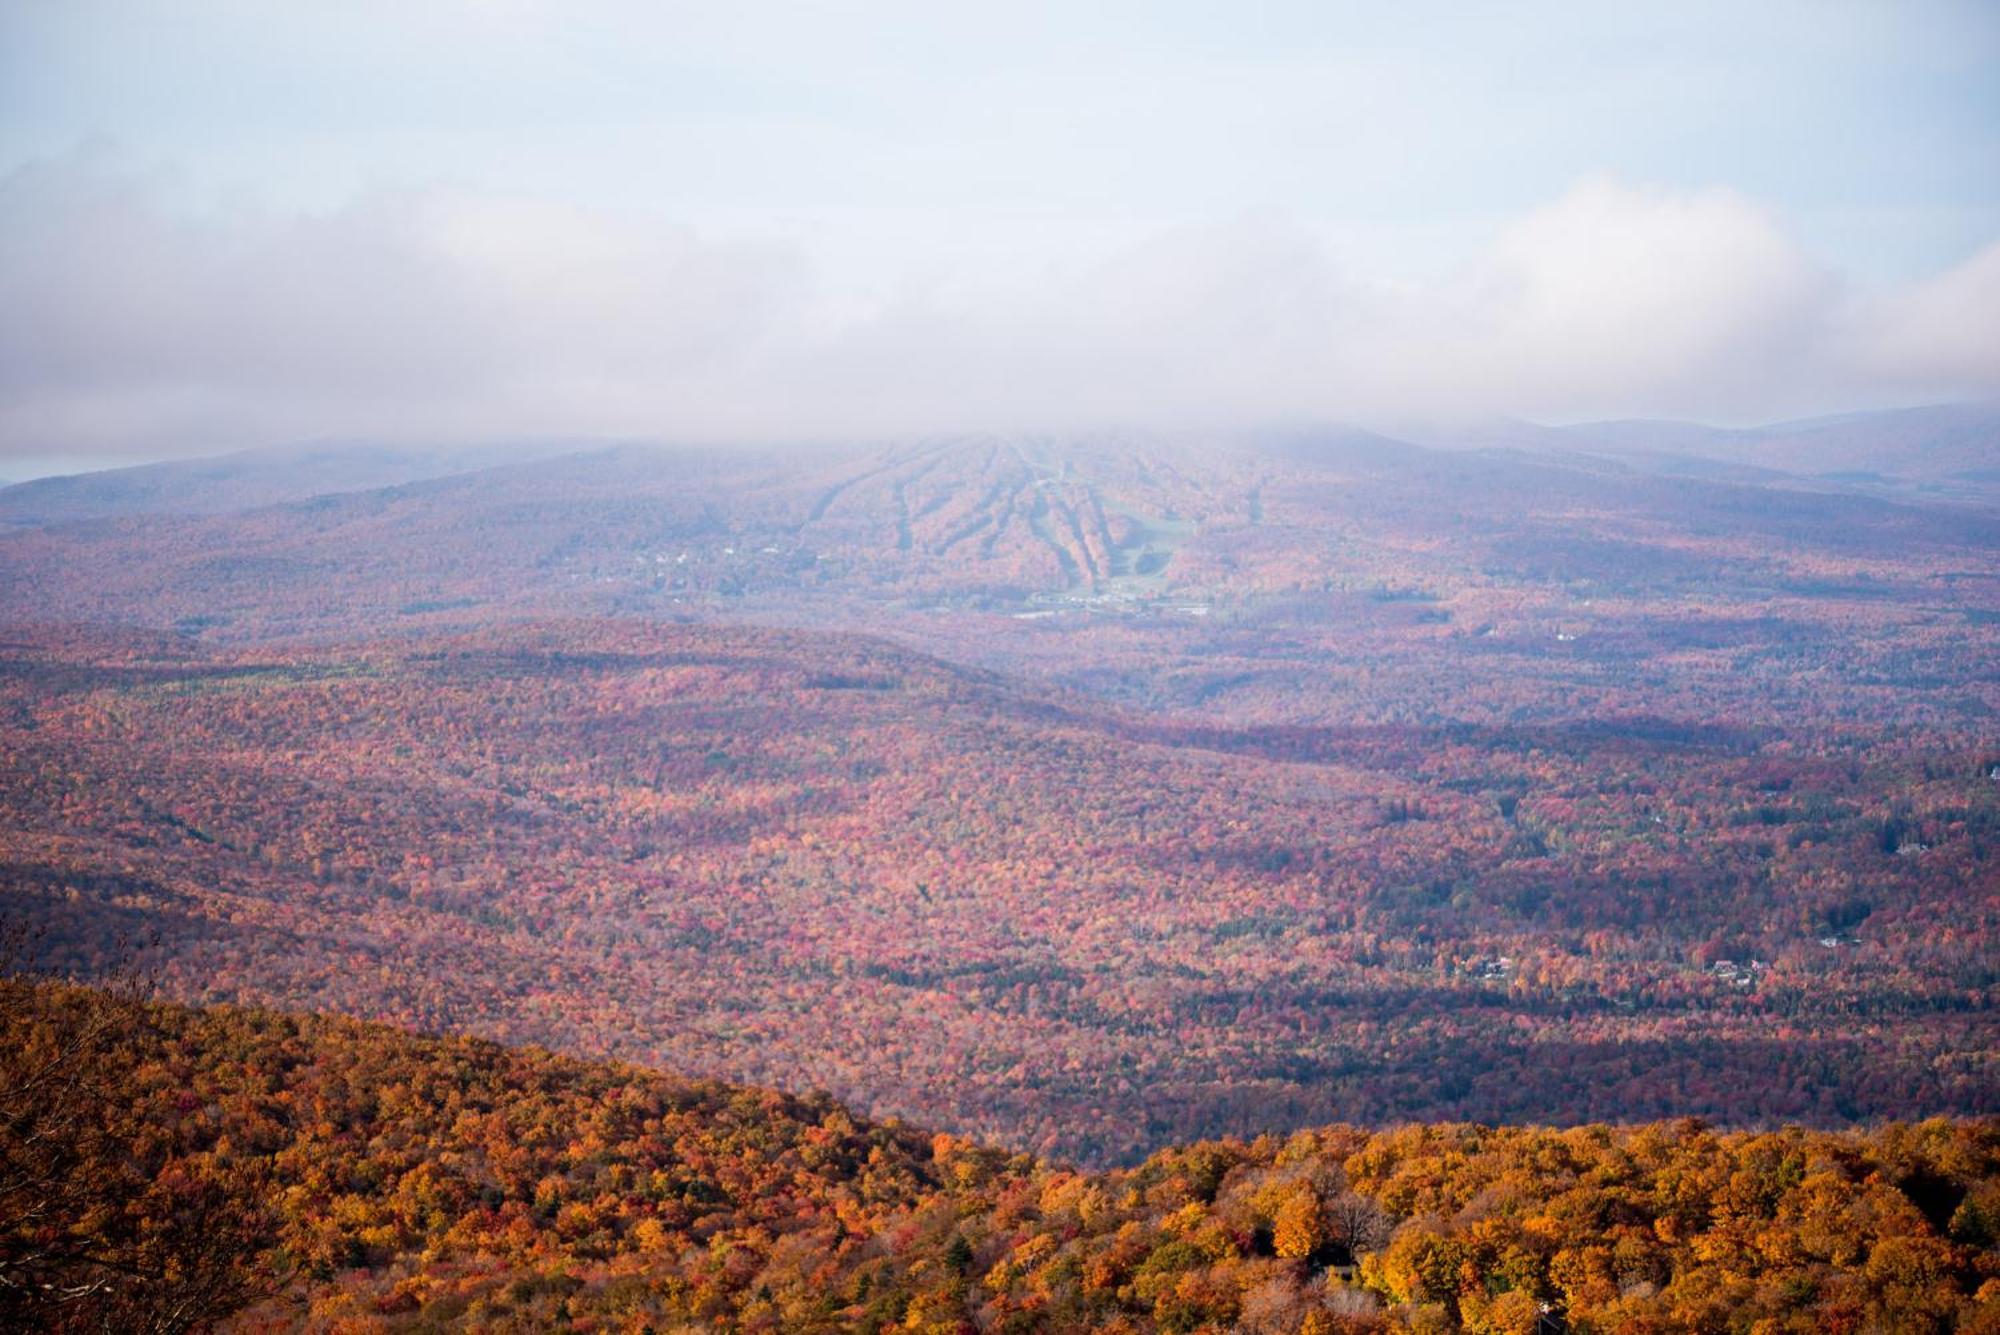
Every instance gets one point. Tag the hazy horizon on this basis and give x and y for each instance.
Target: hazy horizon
(222, 228)
(31, 468)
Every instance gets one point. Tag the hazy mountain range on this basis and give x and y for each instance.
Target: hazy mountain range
(1942, 452)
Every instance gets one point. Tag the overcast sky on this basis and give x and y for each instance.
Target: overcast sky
(226, 224)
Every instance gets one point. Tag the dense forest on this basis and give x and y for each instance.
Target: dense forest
(295, 1169)
(822, 861)
(1360, 887)
(1326, 579)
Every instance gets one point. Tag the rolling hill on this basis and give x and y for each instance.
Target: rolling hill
(1938, 453)
(244, 480)
(1311, 578)
(816, 860)
(1087, 797)
(288, 1171)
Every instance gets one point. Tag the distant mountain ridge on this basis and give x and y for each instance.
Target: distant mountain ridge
(242, 480)
(1936, 441)
(1945, 451)
(1030, 526)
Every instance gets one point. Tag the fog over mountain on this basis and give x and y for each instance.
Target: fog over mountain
(437, 313)
(791, 226)
(1939, 452)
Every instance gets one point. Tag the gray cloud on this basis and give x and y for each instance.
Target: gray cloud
(136, 324)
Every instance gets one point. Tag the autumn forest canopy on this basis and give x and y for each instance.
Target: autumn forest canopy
(1306, 668)
(308, 1171)
(1303, 881)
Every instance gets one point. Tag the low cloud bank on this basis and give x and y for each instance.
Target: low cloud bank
(133, 325)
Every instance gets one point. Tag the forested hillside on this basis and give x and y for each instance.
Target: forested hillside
(308, 1170)
(1314, 578)
(1085, 801)
(811, 860)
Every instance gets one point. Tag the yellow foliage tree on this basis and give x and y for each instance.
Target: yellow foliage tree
(1300, 1227)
